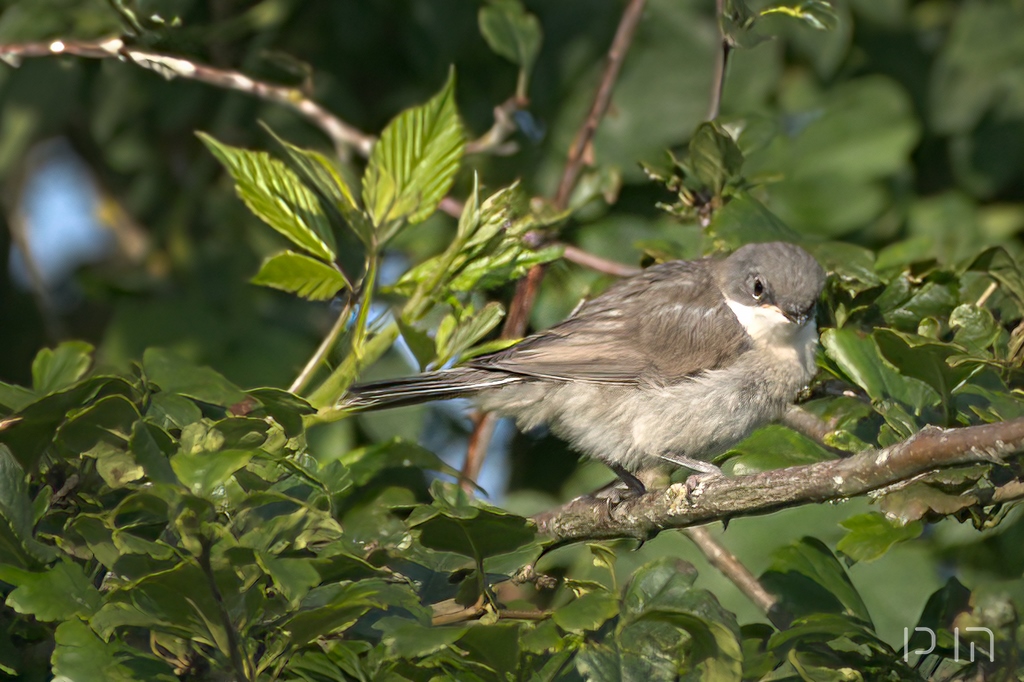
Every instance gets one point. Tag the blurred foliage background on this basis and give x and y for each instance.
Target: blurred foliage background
(894, 140)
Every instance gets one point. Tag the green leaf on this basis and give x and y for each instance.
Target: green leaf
(587, 612)
(18, 546)
(276, 195)
(405, 638)
(175, 374)
(773, 447)
(818, 14)
(997, 262)
(872, 534)
(471, 328)
(152, 448)
(414, 163)
(714, 157)
(475, 532)
(81, 656)
(745, 220)
(326, 177)
(811, 560)
(54, 369)
(203, 472)
(365, 463)
(15, 398)
(861, 361)
(511, 31)
(287, 409)
(61, 592)
(301, 275)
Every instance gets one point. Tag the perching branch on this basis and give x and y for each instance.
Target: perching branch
(718, 498)
(343, 135)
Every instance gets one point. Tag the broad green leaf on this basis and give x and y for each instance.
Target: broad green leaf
(476, 535)
(81, 656)
(810, 560)
(18, 547)
(405, 638)
(203, 472)
(14, 398)
(57, 368)
(714, 157)
(413, 163)
(108, 420)
(175, 374)
(997, 262)
(773, 447)
(587, 612)
(744, 220)
(61, 592)
(511, 31)
(287, 409)
(301, 275)
(872, 534)
(152, 448)
(277, 197)
(365, 463)
(861, 361)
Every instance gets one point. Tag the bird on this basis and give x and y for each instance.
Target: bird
(666, 369)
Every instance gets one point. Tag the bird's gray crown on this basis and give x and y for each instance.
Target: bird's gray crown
(774, 273)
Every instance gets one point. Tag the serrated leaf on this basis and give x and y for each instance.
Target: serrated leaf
(405, 638)
(466, 332)
(203, 472)
(57, 368)
(511, 31)
(872, 534)
(414, 163)
(276, 195)
(326, 177)
(301, 275)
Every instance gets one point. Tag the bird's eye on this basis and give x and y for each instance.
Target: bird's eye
(758, 289)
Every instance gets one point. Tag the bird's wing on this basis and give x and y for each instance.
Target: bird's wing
(665, 325)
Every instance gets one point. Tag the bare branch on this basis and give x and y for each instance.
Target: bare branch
(712, 498)
(721, 63)
(616, 55)
(343, 135)
(729, 566)
(588, 260)
(526, 289)
(504, 125)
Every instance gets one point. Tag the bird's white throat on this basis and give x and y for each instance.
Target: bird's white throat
(767, 324)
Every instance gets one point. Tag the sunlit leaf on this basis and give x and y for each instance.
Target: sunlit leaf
(413, 163)
(301, 275)
(277, 196)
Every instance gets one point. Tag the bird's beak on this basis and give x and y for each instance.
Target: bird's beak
(799, 317)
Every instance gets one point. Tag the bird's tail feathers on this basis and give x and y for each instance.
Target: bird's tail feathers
(445, 384)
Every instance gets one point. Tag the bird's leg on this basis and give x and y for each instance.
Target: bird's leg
(634, 484)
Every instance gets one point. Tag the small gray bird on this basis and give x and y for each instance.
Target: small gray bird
(672, 366)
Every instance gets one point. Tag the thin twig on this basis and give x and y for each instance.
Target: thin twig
(709, 498)
(239, 662)
(494, 140)
(721, 62)
(983, 299)
(343, 135)
(526, 289)
(325, 347)
(731, 567)
(616, 56)
(578, 256)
